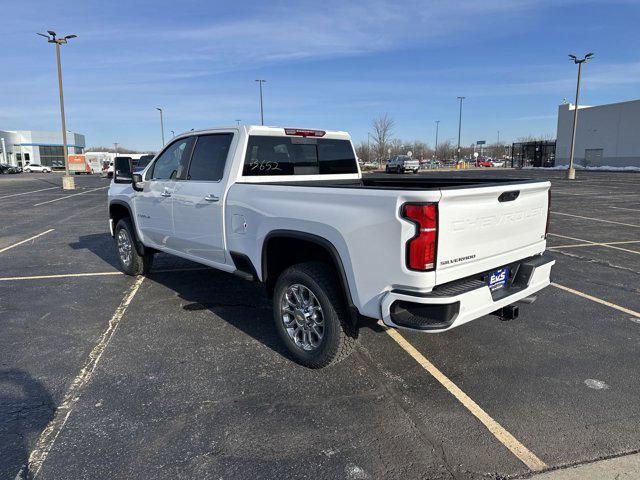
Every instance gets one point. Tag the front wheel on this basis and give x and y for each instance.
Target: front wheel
(311, 317)
(131, 262)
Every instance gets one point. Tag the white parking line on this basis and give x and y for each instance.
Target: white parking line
(63, 275)
(26, 240)
(50, 433)
(518, 449)
(629, 209)
(589, 243)
(597, 300)
(594, 244)
(97, 274)
(596, 219)
(69, 196)
(27, 193)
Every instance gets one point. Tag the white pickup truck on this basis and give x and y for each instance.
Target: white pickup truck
(289, 208)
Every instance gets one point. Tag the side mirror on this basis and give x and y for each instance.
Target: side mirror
(122, 171)
(137, 182)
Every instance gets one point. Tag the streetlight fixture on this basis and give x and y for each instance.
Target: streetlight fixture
(435, 151)
(67, 180)
(260, 82)
(161, 124)
(460, 125)
(173, 134)
(238, 122)
(571, 173)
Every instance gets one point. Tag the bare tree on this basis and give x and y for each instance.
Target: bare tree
(445, 151)
(382, 130)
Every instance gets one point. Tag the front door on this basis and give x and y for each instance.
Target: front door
(198, 209)
(154, 205)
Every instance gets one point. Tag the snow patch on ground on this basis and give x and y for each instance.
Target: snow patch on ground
(603, 168)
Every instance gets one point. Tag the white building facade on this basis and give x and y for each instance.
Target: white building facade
(19, 147)
(607, 135)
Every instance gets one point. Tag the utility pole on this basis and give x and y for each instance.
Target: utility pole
(67, 180)
(261, 106)
(460, 125)
(115, 145)
(161, 124)
(435, 151)
(571, 173)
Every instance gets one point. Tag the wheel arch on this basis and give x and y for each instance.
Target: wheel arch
(273, 261)
(118, 210)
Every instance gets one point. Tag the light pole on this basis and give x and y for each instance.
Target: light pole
(238, 122)
(435, 151)
(260, 82)
(460, 125)
(115, 145)
(161, 124)
(173, 134)
(67, 180)
(571, 173)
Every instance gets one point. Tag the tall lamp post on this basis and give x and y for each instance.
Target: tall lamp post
(460, 125)
(571, 173)
(161, 124)
(67, 180)
(435, 150)
(260, 82)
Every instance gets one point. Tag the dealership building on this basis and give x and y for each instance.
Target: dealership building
(19, 147)
(607, 135)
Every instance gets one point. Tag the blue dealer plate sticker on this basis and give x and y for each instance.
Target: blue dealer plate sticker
(498, 279)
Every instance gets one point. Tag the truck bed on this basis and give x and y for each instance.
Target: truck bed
(405, 183)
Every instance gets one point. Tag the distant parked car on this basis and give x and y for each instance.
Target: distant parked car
(141, 163)
(485, 163)
(498, 163)
(107, 169)
(36, 167)
(402, 164)
(371, 165)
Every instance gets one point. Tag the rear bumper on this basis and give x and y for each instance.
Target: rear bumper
(460, 302)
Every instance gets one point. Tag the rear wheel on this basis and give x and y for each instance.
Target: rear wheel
(131, 262)
(311, 317)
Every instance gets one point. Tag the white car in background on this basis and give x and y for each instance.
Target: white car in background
(36, 167)
(498, 163)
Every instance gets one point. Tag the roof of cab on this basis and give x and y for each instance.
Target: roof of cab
(268, 130)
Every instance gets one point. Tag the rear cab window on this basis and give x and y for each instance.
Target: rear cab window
(292, 155)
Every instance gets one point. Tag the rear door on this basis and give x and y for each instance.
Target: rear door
(154, 205)
(198, 200)
(481, 228)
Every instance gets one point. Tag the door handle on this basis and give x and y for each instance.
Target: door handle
(165, 194)
(211, 198)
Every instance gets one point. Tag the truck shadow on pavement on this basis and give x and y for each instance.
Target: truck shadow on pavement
(100, 244)
(26, 407)
(240, 303)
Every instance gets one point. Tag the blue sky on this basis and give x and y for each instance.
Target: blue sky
(331, 64)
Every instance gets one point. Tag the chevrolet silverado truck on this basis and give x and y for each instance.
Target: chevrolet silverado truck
(289, 208)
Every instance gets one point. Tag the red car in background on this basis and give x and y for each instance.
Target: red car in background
(484, 163)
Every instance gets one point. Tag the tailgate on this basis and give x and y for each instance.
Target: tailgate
(481, 228)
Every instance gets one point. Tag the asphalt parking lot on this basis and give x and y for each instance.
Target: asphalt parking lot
(180, 373)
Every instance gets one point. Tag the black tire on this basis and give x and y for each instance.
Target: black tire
(136, 264)
(339, 335)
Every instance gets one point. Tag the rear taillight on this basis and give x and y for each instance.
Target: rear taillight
(422, 248)
(546, 228)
